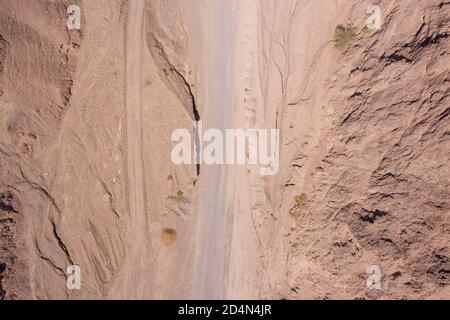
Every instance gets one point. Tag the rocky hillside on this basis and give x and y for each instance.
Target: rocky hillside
(371, 187)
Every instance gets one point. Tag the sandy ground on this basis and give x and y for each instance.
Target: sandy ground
(86, 178)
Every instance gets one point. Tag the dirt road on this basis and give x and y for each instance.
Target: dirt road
(213, 232)
(214, 223)
(132, 281)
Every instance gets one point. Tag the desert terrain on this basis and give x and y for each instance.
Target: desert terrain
(87, 116)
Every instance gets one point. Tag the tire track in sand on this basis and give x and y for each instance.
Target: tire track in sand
(130, 282)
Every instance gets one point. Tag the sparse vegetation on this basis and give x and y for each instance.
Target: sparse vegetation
(180, 193)
(367, 32)
(343, 35)
(300, 200)
(169, 177)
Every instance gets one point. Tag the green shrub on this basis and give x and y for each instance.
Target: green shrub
(300, 200)
(367, 32)
(343, 36)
